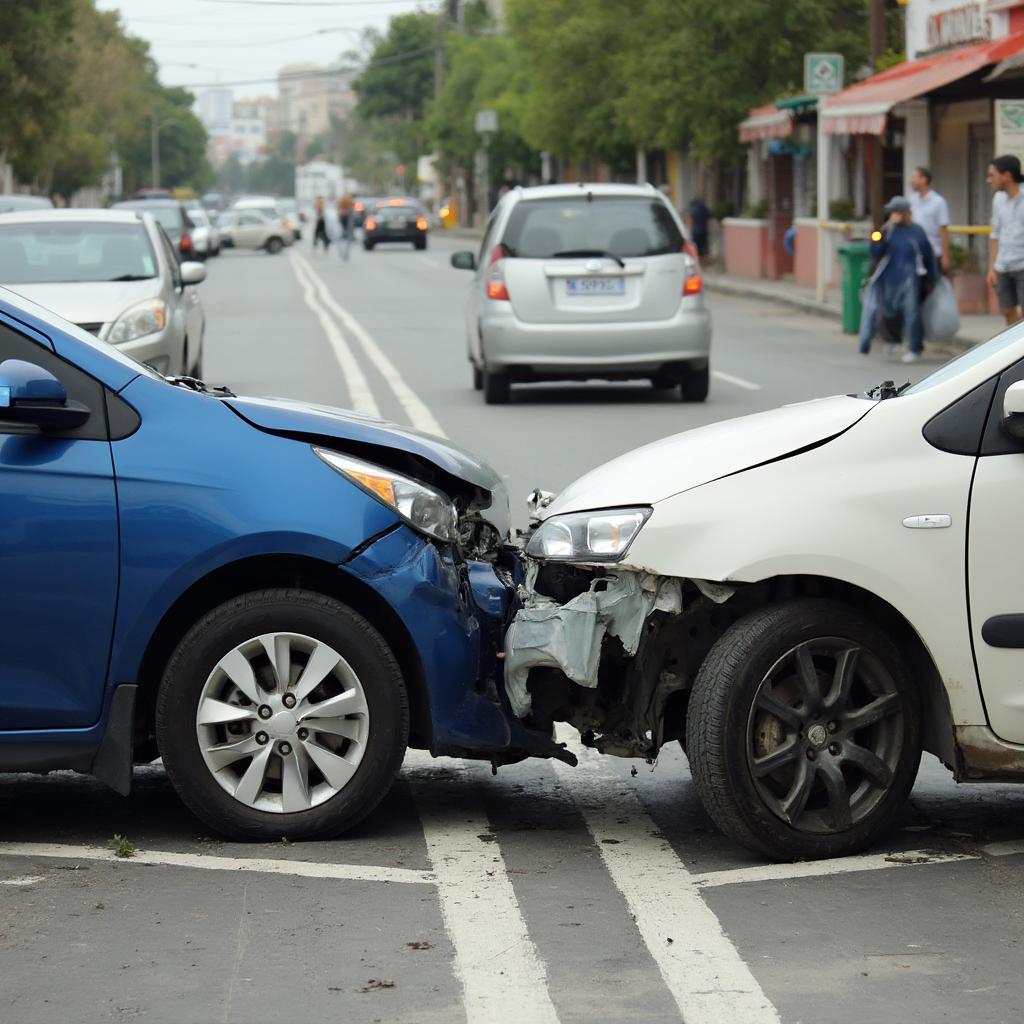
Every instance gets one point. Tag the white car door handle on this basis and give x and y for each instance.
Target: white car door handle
(929, 522)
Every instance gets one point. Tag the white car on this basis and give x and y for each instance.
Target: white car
(575, 282)
(273, 209)
(804, 598)
(205, 237)
(251, 229)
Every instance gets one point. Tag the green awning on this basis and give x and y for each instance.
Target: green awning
(798, 103)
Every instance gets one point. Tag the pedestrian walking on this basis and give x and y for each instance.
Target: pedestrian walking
(931, 211)
(320, 231)
(1006, 244)
(905, 268)
(346, 223)
(698, 218)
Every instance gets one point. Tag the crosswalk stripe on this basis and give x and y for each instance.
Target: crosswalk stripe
(703, 970)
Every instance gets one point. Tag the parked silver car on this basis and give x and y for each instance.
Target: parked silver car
(115, 274)
(251, 229)
(205, 237)
(586, 281)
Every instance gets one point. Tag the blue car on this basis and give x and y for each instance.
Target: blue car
(273, 597)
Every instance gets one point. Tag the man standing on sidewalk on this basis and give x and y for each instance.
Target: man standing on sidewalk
(904, 260)
(931, 211)
(1006, 245)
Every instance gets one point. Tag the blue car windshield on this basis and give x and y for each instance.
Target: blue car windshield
(51, 252)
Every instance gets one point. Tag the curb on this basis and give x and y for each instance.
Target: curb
(829, 312)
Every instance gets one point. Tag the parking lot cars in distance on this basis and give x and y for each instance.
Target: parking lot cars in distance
(172, 218)
(785, 594)
(115, 274)
(574, 282)
(396, 220)
(15, 202)
(276, 645)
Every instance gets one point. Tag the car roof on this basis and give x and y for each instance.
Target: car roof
(83, 215)
(582, 188)
(145, 204)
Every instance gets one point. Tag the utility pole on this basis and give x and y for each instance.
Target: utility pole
(154, 149)
(876, 48)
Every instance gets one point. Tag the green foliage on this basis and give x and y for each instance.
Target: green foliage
(841, 209)
(757, 211)
(121, 847)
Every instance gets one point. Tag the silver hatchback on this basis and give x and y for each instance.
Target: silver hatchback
(574, 282)
(114, 273)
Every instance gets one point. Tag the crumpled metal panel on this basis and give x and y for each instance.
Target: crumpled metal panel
(569, 637)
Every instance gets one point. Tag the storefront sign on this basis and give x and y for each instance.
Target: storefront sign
(967, 24)
(823, 73)
(1010, 127)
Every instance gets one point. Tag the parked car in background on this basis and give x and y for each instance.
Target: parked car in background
(171, 215)
(276, 646)
(251, 229)
(214, 202)
(115, 274)
(269, 207)
(18, 201)
(586, 281)
(291, 215)
(396, 220)
(205, 237)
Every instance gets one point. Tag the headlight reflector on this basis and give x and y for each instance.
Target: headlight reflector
(602, 536)
(136, 322)
(423, 508)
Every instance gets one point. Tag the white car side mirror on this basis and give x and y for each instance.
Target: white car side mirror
(192, 272)
(1013, 410)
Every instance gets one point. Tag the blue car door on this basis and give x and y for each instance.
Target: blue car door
(58, 557)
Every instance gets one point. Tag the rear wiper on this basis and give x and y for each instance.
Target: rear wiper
(195, 384)
(570, 253)
(132, 277)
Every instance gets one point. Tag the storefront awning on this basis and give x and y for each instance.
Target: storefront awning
(766, 123)
(863, 108)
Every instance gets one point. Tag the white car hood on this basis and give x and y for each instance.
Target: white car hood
(656, 471)
(85, 302)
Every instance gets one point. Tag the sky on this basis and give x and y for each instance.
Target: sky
(201, 42)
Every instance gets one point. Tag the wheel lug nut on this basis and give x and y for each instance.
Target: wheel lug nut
(286, 749)
(288, 700)
(832, 726)
(261, 738)
(303, 734)
(810, 755)
(833, 748)
(264, 711)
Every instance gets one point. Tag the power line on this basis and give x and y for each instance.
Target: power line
(308, 3)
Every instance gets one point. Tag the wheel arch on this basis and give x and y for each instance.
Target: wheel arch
(261, 572)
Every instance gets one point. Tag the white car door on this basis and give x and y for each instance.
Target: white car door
(251, 231)
(995, 569)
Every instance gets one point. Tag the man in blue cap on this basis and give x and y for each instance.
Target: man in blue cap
(905, 267)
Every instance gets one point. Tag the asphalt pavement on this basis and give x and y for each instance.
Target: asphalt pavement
(541, 894)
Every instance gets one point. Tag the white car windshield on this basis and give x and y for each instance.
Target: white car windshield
(591, 225)
(67, 251)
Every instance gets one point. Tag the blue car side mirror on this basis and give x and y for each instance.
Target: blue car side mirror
(29, 394)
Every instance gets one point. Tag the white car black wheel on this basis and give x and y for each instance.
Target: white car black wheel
(282, 713)
(803, 731)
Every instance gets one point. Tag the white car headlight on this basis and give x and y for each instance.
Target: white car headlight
(147, 317)
(602, 536)
(423, 508)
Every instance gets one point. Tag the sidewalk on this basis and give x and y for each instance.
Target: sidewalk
(973, 329)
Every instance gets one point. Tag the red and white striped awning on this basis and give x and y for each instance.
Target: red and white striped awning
(766, 123)
(862, 109)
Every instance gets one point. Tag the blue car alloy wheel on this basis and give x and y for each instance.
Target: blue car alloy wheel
(278, 647)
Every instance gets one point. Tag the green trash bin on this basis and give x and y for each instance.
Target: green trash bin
(854, 268)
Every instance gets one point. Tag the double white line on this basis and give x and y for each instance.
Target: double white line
(336, 322)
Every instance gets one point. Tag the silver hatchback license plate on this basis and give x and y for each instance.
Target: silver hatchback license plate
(595, 286)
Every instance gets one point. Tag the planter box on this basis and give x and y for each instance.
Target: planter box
(746, 246)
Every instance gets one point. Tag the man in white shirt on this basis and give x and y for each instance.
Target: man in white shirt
(931, 211)
(1006, 244)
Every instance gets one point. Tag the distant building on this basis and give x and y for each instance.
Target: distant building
(215, 107)
(310, 96)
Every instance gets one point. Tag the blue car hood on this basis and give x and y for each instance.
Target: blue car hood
(282, 416)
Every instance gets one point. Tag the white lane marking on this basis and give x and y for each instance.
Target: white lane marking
(739, 382)
(419, 415)
(703, 970)
(1007, 849)
(502, 975)
(430, 262)
(23, 880)
(826, 868)
(359, 393)
(209, 862)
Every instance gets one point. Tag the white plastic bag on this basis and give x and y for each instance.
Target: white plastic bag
(940, 315)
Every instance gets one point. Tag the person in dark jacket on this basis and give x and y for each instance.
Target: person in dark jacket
(698, 217)
(905, 267)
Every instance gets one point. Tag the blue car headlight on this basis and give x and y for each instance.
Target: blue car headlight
(423, 508)
(600, 536)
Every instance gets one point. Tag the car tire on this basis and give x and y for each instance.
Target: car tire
(348, 765)
(478, 377)
(420, 243)
(274, 245)
(368, 246)
(664, 383)
(803, 731)
(695, 385)
(496, 387)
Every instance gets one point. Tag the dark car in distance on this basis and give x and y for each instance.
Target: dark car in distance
(396, 220)
(171, 215)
